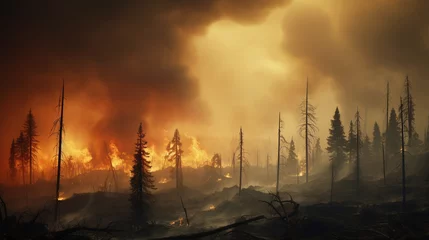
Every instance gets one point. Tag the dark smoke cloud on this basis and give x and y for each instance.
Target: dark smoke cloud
(135, 50)
(359, 45)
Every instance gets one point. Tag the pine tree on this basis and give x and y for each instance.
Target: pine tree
(337, 143)
(30, 132)
(351, 142)
(337, 146)
(141, 182)
(22, 155)
(376, 142)
(393, 144)
(12, 162)
(174, 149)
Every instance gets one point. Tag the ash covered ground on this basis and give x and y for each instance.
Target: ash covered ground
(212, 200)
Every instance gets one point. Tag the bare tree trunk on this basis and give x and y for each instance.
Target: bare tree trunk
(409, 113)
(184, 209)
(278, 158)
(241, 161)
(60, 141)
(403, 157)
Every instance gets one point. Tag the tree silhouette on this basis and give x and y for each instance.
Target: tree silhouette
(336, 140)
(30, 132)
(281, 144)
(393, 141)
(358, 149)
(351, 142)
(22, 155)
(141, 181)
(337, 145)
(174, 149)
(402, 122)
(409, 112)
(308, 127)
(12, 161)
(376, 142)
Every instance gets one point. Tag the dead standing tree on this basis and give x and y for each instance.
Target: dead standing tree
(308, 127)
(241, 161)
(174, 149)
(403, 156)
(358, 143)
(280, 140)
(59, 135)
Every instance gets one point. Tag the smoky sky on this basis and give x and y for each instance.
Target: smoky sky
(128, 61)
(134, 49)
(358, 46)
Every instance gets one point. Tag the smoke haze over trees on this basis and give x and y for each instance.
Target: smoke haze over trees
(115, 55)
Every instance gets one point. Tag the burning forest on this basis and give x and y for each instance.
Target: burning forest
(279, 119)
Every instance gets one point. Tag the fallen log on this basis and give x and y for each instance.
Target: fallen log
(211, 232)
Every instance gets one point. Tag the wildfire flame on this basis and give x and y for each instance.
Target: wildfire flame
(219, 179)
(164, 180)
(61, 196)
(212, 207)
(79, 159)
(228, 175)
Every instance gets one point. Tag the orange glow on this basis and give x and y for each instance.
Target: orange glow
(196, 156)
(219, 179)
(178, 221)
(212, 207)
(228, 175)
(164, 180)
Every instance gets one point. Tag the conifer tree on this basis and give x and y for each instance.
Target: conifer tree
(174, 149)
(351, 142)
(393, 144)
(376, 142)
(337, 143)
(12, 161)
(30, 133)
(22, 155)
(141, 182)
